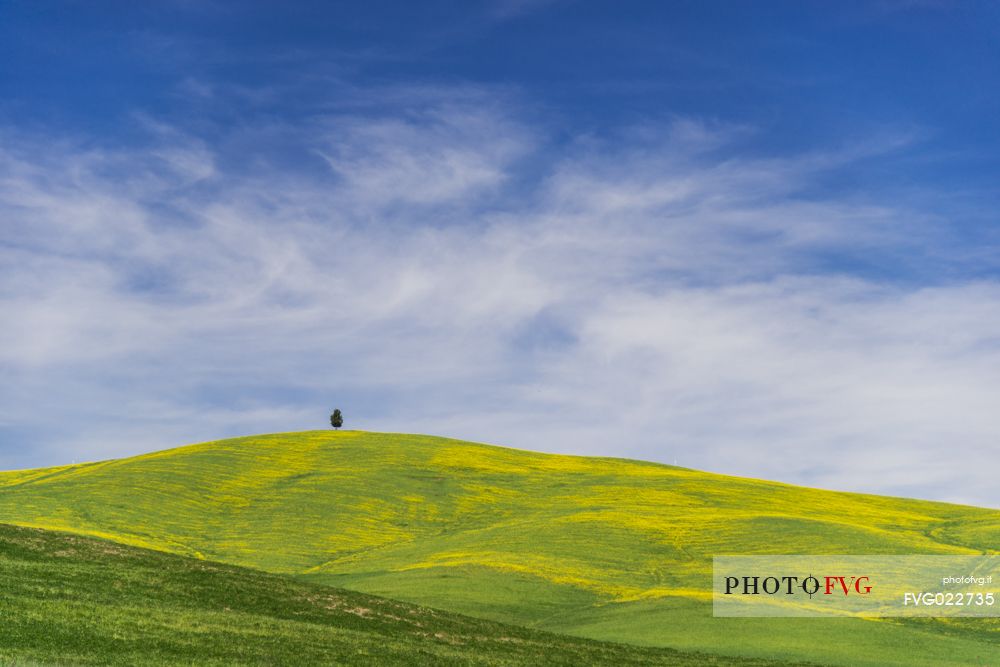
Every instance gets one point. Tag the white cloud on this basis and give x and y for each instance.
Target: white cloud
(447, 270)
(440, 156)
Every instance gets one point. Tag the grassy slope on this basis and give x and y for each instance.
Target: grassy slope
(77, 600)
(605, 548)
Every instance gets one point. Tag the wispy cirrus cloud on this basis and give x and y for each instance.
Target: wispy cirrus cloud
(449, 267)
(508, 9)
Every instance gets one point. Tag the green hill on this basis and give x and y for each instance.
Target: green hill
(77, 600)
(597, 547)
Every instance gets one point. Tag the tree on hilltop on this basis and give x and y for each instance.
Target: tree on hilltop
(336, 419)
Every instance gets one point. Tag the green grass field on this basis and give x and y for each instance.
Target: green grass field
(602, 548)
(74, 600)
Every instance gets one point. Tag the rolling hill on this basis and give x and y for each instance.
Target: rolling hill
(596, 547)
(76, 600)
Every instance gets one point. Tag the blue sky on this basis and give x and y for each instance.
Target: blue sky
(755, 238)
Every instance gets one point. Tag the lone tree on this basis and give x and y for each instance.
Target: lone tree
(336, 419)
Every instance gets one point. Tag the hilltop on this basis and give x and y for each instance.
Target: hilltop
(598, 547)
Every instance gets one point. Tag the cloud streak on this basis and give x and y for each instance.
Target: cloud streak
(452, 268)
